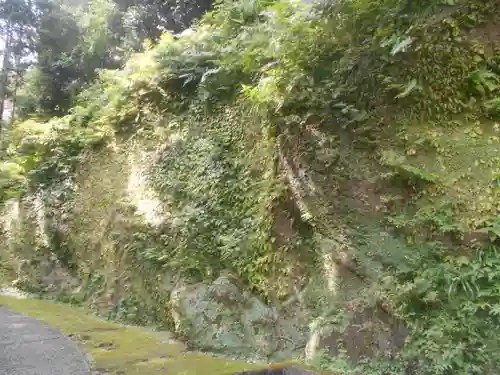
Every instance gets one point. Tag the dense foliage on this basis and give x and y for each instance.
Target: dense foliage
(51, 49)
(407, 90)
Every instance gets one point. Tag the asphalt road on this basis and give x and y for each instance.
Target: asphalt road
(28, 347)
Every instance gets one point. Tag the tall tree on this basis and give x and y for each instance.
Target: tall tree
(76, 38)
(18, 28)
(7, 32)
(71, 45)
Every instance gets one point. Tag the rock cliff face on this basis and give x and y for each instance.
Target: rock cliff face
(108, 202)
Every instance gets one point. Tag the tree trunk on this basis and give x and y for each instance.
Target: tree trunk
(5, 70)
(18, 78)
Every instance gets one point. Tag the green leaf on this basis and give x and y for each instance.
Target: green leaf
(412, 85)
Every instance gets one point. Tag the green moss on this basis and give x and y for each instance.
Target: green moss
(463, 155)
(122, 349)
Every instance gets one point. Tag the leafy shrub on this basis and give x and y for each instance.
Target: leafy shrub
(12, 181)
(452, 307)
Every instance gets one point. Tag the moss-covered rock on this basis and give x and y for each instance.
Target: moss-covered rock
(222, 316)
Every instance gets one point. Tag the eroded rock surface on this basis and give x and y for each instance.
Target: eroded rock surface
(221, 316)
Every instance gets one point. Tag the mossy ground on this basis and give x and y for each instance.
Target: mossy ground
(118, 349)
(462, 156)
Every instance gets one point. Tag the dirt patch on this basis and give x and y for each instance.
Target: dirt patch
(488, 33)
(371, 332)
(367, 194)
(286, 370)
(103, 329)
(289, 229)
(107, 345)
